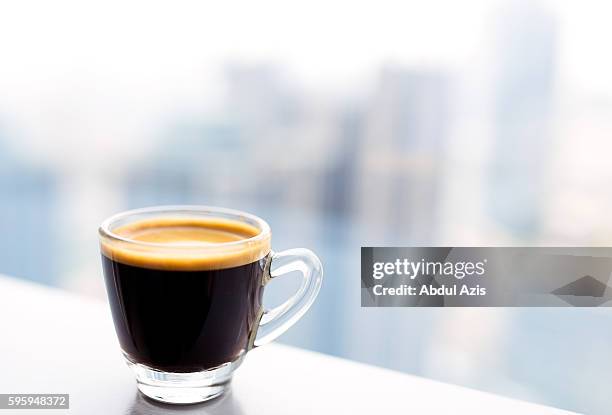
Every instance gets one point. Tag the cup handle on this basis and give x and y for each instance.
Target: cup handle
(276, 321)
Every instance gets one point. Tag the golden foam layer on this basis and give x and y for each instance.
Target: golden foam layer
(186, 244)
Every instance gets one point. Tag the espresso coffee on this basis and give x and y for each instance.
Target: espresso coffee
(178, 304)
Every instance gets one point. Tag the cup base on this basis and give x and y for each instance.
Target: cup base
(184, 388)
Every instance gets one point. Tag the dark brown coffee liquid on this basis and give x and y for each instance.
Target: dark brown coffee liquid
(171, 316)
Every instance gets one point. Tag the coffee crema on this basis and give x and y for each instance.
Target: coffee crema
(186, 244)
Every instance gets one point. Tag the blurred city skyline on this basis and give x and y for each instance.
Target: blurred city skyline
(343, 125)
(368, 155)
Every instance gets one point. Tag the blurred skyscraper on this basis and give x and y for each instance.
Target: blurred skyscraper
(339, 184)
(294, 138)
(29, 232)
(524, 60)
(261, 100)
(401, 156)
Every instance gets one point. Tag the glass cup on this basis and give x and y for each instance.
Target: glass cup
(186, 313)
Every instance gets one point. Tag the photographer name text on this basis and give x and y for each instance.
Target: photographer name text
(407, 269)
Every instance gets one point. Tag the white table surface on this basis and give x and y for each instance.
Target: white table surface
(52, 341)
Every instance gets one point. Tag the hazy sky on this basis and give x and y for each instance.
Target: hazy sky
(321, 40)
(109, 68)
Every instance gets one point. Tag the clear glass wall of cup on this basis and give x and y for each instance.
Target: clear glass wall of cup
(186, 314)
